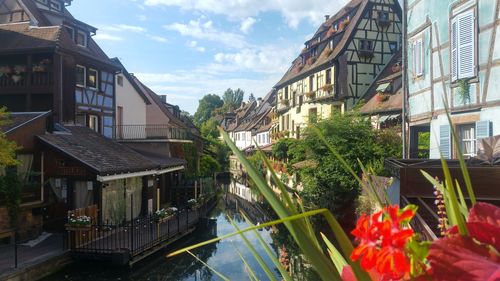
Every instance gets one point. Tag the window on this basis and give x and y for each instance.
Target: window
(94, 123)
(313, 115)
(328, 76)
(80, 75)
(71, 32)
(330, 44)
(467, 134)
(81, 39)
(463, 58)
(119, 80)
(286, 92)
(383, 16)
(92, 78)
(311, 83)
(418, 57)
(365, 45)
(393, 46)
(55, 5)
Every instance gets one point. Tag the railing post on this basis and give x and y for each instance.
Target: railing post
(132, 223)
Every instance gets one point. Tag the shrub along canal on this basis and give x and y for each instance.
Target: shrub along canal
(221, 256)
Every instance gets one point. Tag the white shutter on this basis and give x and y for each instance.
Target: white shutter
(414, 61)
(445, 141)
(453, 41)
(483, 129)
(466, 58)
(420, 57)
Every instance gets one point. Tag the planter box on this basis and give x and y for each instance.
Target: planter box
(70, 227)
(165, 219)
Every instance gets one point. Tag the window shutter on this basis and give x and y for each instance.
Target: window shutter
(414, 66)
(453, 41)
(445, 141)
(420, 57)
(483, 129)
(466, 58)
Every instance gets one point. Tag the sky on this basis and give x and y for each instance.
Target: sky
(186, 49)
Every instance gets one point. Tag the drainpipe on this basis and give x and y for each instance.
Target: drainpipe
(405, 79)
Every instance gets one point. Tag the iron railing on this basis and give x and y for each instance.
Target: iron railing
(138, 236)
(150, 132)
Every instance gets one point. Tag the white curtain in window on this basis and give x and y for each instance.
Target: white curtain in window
(24, 168)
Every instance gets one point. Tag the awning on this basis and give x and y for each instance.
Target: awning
(383, 87)
(388, 117)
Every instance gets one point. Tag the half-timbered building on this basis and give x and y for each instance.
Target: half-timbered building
(453, 61)
(49, 61)
(339, 63)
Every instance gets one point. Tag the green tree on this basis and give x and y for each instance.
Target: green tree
(208, 166)
(7, 148)
(209, 129)
(206, 107)
(232, 99)
(328, 185)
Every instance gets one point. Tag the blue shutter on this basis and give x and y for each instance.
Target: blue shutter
(483, 129)
(445, 141)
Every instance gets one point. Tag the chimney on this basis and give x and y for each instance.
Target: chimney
(327, 17)
(163, 98)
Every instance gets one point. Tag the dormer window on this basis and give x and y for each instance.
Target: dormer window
(319, 39)
(55, 5)
(330, 44)
(81, 39)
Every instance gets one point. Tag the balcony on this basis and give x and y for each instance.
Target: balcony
(283, 106)
(161, 133)
(25, 80)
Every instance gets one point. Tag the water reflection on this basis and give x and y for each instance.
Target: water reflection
(222, 255)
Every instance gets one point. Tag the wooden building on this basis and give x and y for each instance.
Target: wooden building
(339, 63)
(50, 62)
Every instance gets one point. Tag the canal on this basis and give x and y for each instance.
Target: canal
(222, 256)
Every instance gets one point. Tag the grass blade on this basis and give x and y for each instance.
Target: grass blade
(209, 267)
(256, 255)
(268, 251)
(337, 258)
(458, 218)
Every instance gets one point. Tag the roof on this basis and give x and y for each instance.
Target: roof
(341, 38)
(22, 36)
(16, 37)
(157, 100)
(102, 155)
(164, 162)
(19, 119)
(132, 81)
(393, 103)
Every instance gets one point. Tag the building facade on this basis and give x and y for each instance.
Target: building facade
(339, 63)
(453, 61)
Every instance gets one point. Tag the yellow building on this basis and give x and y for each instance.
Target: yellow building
(338, 64)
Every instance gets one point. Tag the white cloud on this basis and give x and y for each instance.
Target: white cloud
(107, 37)
(194, 45)
(142, 17)
(262, 59)
(157, 38)
(247, 24)
(205, 30)
(292, 11)
(122, 28)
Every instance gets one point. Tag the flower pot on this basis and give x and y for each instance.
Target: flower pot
(75, 227)
(16, 78)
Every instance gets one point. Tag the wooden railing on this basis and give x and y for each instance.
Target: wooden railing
(150, 132)
(33, 79)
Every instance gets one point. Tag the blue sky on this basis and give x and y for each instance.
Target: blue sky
(188, 48)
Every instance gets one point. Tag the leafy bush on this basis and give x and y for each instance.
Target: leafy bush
(10, 188)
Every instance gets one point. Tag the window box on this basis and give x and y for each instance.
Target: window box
(327, 88)
(310, 95)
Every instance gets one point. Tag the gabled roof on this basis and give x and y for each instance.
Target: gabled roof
(157, 100)
(19, 119)
(341, 38)
(99, 154)
(131, 80)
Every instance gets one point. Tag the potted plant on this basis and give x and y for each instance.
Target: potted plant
(327, 88)
(382, 97)
(192, 204)
(5, 70)
(310, 95)
(165, 214)
(311, 60)
(78, 223)
(285, 102)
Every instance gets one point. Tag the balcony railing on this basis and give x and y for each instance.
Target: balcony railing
(33, 79)
(150, 132)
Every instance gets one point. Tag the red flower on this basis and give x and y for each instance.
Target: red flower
(382, 238)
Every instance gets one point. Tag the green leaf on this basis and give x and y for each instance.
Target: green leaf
(453, 201)
(256, 255)
(209, 267)
(251, 273)
(337, 258)
(268, 251)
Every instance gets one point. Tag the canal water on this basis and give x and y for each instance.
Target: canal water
(221, 256)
